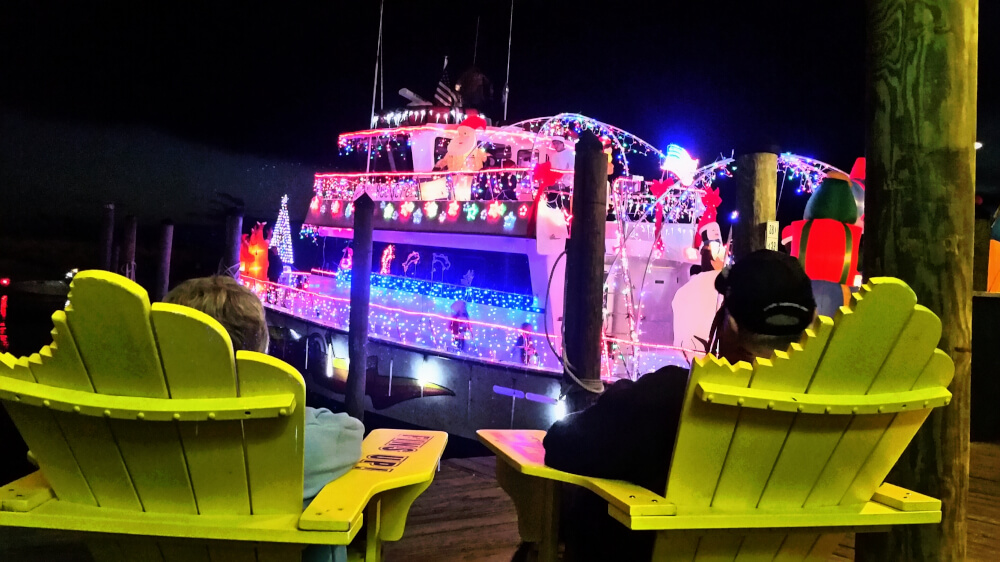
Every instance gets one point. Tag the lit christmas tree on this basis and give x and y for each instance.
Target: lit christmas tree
(282, 235)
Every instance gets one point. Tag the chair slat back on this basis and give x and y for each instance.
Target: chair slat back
(90, 438)
(274, 447)
(43, 435)
(111, 341)
(818, 446)
(109, 318)
(733, 458)
(198, 362)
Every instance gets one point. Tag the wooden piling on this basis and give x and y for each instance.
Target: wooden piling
(756, 200)
(107, 236)
(128, 247)
(919, 199)
(116, 259)
(163, 269)
(234, 240)
(582, 317)
(357, 337)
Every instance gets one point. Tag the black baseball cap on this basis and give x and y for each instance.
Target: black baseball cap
(768, 292)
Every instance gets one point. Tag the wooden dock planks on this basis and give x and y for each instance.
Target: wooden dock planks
(465, 516)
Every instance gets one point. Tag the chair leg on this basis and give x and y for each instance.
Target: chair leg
(373, 524)
(548, 548)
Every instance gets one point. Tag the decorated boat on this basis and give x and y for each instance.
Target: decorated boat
(468, 272)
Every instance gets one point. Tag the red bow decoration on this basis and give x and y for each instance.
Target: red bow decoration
(544, 175)
(658, 188)
(711, 200)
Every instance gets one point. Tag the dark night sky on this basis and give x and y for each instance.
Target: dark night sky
(278, 83)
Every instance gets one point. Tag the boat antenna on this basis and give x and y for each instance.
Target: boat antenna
(378, 58)
(381, 73)
(506, 85)
(475, 47)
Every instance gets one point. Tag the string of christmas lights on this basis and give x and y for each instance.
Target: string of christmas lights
(623, 141)
(504, 217)
(437, 289)
(492, 183)
(424, 321)
(438, 115)
(809, 172)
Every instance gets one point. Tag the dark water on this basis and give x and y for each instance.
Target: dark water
(24, 328)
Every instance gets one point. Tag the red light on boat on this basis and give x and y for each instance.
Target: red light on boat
(4, 281)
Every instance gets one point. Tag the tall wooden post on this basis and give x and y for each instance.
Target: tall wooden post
(116, 259)
(582, 318)
(163, 269)
(357, 335)
(919, 198)
(128, 247)
(234, 238)
(756, 200)
(107, 235)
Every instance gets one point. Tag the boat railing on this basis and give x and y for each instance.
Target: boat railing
(429, 326)
(504, 184)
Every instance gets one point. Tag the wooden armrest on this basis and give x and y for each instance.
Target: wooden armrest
(394, 463)
(822, 403)
(147, 409)
(905, 500)
(523, 451)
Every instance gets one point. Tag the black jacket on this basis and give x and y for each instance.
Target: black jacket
(627, 435)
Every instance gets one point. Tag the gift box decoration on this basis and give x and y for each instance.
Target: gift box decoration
(826, 248)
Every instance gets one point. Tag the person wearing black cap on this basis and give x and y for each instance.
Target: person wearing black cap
(629, 433)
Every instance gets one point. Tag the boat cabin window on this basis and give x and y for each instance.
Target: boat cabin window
(498, 154)
(524, 158)
(440, 148)
(388, 155)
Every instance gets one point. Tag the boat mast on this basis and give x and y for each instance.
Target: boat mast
(475, 46)
(378, 58)
(506, 85)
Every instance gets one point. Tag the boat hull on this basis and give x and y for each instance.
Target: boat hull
(437, 390)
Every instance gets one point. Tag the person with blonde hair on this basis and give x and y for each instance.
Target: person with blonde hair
(332, 441)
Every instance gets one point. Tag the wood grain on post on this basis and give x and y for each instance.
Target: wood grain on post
(128, 247)
(357, 335)
(919, 198)
(756, 200)
(234, 240)
(107, 235)
(582, 317)
(163, 268)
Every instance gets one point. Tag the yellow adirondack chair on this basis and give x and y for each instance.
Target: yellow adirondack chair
(775, 461)
(158, 443)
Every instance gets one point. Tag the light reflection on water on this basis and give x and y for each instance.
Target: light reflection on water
(4, 342)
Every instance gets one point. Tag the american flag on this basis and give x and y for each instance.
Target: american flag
(444, 95)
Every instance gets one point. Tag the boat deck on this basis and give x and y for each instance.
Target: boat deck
(465, 515)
